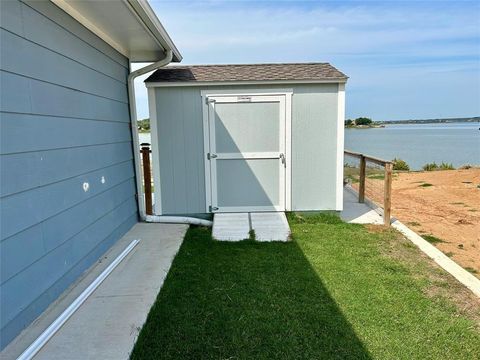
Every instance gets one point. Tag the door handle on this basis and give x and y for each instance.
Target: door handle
(282, 158)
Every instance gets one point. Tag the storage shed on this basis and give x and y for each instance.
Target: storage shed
(244, 138)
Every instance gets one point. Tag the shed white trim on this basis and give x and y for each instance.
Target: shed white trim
(206, 149)
(240, 83)
(288, 150)
(288, 92)
(285, 99)
(242, 92)
(157, 194)
(340, 145)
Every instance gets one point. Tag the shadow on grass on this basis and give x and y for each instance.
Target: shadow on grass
(244, 300)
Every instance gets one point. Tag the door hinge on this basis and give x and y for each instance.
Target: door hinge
(209, 100)
(212, 208)
(211, 156)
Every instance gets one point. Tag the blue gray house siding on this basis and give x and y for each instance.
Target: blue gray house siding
(64, 122)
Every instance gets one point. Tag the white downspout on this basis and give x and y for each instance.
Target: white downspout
(136, 147)
(133, 122)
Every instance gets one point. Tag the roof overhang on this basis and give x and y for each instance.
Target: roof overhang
(237, 83)
(129, 26)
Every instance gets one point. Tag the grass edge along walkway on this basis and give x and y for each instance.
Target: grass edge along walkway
(337, 291)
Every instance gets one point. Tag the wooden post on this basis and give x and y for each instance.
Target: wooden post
(361, 185)
(147, 178)
(387, 201)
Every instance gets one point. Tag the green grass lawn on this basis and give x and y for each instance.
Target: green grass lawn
(337, 291)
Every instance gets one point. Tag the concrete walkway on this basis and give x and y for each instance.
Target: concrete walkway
(358, 213)
(107, 324)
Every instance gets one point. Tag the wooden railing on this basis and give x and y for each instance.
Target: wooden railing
(147, 177)
(371, 169)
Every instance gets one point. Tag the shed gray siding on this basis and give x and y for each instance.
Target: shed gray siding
(314, 146)
(64, 121)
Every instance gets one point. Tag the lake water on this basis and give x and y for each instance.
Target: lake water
(418, 144)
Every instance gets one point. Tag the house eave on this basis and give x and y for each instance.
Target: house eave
(146, 13)
(129, 26)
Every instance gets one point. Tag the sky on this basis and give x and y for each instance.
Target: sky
(404, 59)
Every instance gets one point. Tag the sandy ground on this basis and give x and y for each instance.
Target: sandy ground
(449, 209)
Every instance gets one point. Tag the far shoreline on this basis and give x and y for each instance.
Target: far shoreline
(383, 123)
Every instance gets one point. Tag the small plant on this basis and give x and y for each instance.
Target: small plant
(446, 166)
(401, 165)
(425, 185)
(251, 235)
(434, 166)
(472, 270)
(465, 167)
(430, 166)
(414, 223)
(433, 239)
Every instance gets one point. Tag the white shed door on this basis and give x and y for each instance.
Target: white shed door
(247, 153)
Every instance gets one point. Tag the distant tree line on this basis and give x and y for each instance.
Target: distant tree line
(358, 121)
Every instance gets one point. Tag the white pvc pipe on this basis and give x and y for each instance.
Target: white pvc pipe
(35, 347)
(177, 220)
(133, 123)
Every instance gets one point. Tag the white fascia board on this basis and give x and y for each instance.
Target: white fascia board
(238, 83)
(155, 27)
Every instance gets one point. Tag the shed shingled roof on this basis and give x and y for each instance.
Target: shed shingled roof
(248, 72)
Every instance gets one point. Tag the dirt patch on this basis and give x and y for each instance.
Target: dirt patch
(449, 210)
